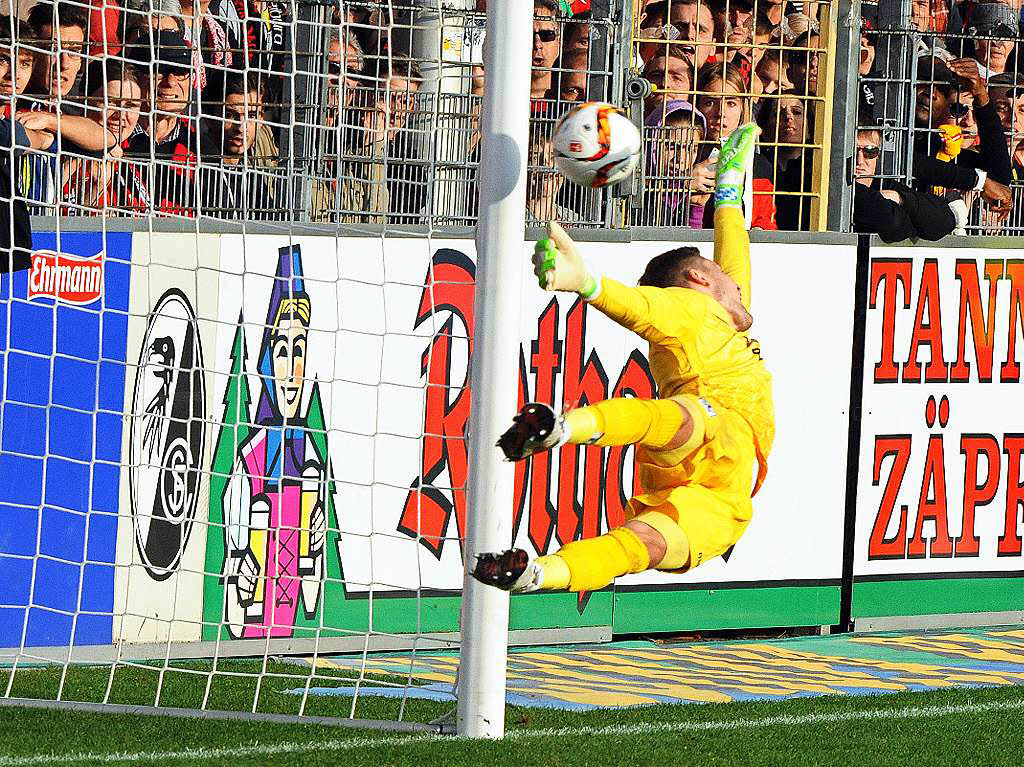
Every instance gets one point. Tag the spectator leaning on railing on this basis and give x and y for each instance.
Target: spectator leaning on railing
(166, 134)
(113, 184)
(899, 212)
(52, 103)
(725, 104)
(236, 183)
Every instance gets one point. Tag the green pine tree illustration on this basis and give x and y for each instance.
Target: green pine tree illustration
(235, 429)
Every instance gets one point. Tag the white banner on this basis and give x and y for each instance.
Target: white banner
(387, 349)
(169, 399)
(940, 487)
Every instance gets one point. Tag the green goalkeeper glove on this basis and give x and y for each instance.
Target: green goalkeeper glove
(559, 266)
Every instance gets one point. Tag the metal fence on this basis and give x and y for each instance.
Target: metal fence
(943, 87)
(361, 112)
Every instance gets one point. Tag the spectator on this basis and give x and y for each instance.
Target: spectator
(686, 27)
(238, 183)
(358, 190)
(15, 224)
(56, 70)
(51, 110)
(866, 68)
(772, 13)
(544, 183)
(574, 77)
(207, 34)
(674, 193)
(934, 91)
(545, 48)
(798, 25)
(984, 169)
(802, 64)
(17, 62)
(784, 124)
(343, 77)
(734, 27)
(723, 101)
(167, 133)
(934, 109)
(993, 27)
(900, 213)
(578, 33)
(114, 182)
(961, 109)
(672, 78)
(768, 71)
(1007, 94)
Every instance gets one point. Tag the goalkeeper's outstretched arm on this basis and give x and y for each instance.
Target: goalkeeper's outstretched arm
(655, 314)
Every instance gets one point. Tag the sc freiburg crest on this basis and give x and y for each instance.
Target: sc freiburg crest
(166, 448)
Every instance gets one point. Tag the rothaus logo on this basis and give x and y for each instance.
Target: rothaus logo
(167, 436)
(71, 279)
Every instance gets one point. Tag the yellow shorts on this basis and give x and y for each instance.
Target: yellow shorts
(702, 488)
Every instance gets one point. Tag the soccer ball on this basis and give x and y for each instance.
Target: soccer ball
(595, 145)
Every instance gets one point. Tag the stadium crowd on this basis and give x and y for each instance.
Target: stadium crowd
(235, 109)
(185, 108)
(951, 165)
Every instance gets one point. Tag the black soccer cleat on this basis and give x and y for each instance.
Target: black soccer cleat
(534, 428)
(510, 570)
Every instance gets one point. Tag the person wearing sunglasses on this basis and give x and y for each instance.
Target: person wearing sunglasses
(962, 112)
(897, 212)
(546, 34)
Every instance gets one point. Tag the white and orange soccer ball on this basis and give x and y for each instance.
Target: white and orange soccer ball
(595, 145)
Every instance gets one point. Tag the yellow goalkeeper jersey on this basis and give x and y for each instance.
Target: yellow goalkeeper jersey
(695, 349)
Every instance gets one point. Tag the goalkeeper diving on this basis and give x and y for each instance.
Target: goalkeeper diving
(701, 444)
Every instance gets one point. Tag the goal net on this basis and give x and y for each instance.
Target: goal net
(235, 345)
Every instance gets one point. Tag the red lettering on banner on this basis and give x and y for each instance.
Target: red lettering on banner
(582, 384)
(545, 364)
(880, 547)
(1010, 371)
(449, 286)
(972, 446)
(1009, 541)
(889, 274)
(429, 507)
(932, 505)
(927, 329)
(983, 323)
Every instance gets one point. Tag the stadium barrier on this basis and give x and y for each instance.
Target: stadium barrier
(143, 530)
(125, 535)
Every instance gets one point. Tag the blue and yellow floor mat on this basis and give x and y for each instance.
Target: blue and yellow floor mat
(633, 673)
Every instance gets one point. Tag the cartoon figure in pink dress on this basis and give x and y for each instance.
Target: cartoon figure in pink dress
(275, 498)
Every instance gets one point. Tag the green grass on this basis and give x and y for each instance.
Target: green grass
(974, 736)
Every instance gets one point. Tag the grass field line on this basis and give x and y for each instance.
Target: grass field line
(640, 728)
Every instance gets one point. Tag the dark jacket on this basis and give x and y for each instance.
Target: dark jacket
(15, 224)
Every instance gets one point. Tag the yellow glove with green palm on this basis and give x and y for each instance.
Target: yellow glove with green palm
(559, 265)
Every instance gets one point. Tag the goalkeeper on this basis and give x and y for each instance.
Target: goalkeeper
(698, 445)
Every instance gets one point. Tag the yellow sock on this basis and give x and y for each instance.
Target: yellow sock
(594, 563)
(625, 421)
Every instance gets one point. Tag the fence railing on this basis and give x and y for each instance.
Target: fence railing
(368, 112)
